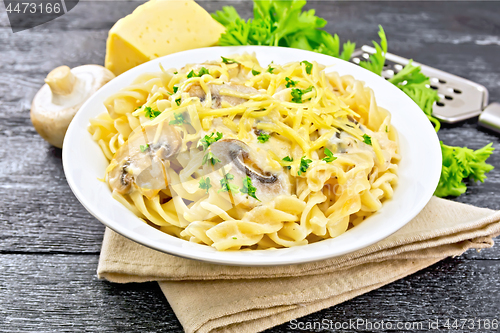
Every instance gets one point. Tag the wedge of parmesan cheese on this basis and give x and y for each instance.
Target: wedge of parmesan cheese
(158, 28)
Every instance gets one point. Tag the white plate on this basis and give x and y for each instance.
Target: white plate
(419, 170)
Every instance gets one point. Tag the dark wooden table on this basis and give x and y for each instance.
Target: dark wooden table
(50, 245)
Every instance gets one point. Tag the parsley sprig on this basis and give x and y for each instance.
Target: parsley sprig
(288, 159)
(263, 137)
(229, 61)
(329, 156)
(210, 158)
(367, 139)
(248, 188)
(304, 165)
(207, 140)
(308, 65)
(179, 119)
(297, 94)
(280, 23)
(226, 186)
(254, 72)
(461, 163)
(204, 184)
(143, 148)
(290, 82)
(416, 85)
(201, 72)
(376, 61)
(151, 113)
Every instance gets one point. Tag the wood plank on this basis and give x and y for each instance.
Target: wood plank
(48, 293)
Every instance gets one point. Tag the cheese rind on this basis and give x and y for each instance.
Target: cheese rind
(158, 28)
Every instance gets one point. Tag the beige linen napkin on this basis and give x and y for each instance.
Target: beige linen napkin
(215, 298)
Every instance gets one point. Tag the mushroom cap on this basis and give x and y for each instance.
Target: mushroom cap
(139, 163)
(233, 152)
(51, 113)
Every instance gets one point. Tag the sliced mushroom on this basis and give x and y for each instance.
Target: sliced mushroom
(236, 153)
(57, 102)
(140, 162)
(217, 92)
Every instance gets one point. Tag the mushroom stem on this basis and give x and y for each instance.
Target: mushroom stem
(61, 81)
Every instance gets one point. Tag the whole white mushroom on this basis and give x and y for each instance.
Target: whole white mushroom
(57, 102)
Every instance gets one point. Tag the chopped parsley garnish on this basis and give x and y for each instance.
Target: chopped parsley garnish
(150, 113)
(179, 119)
(226, 186)
(304, 165)
(175, 89)
(204, 184)
(263, 137)
(386, 129)
(176, 72)
(202, 72)
(235, 237)
(297, 94)
(329, 156)
(254, 72)
(290, 82)
(229, 61)
(248, 188)
(210, 157)
(143, 148)
(308, 65)
(206, 141)
(270, 69)
(288, 159)
(367, 139)
(178, 101)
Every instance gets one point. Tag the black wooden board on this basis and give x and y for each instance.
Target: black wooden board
(49, 244)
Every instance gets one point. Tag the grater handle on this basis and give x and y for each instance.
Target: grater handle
(490, 118)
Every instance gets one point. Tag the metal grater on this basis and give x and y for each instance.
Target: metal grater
(460, 98)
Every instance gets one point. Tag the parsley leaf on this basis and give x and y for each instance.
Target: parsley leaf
(175, 88)
(202, 72)
(210, 157)
(416, 85)
(263, 137)
(304, 165)
(143, 148)
(308, 65)
(248, 188)
(280, 23)
(270, 69)
(178, 101)
(288, 159)
(329, 156)
(297, 94)
(254, 72)
(226, 186)
(229, 61)
(207, 140)
(367, 139)
(204, 184)
(290, 82)
(376, 61)
(179, 119)
(150, 113)
(459, 164)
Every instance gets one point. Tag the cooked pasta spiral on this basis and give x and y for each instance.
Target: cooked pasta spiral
(238, 156)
